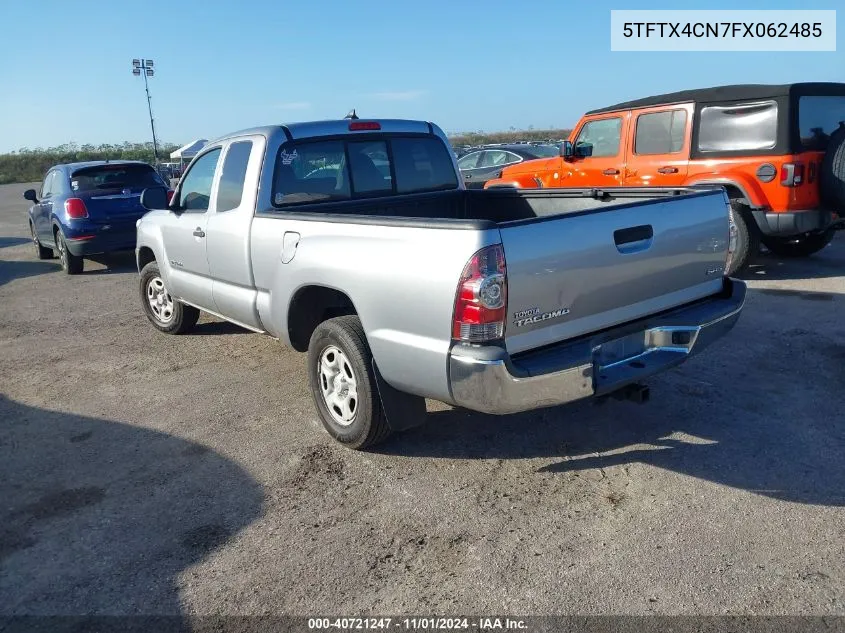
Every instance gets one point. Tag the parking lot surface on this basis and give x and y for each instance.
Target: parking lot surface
(145, 473)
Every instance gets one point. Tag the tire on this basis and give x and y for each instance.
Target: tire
(832, 173)
(747, 237)
(71, 264)
(340, 361)
(165, 313)
(41, 252)
(799, 245)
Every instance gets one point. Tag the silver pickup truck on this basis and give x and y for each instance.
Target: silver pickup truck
(354, 240)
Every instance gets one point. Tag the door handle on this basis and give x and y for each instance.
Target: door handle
(633, 239)
(611, 172)
(199, 232)
(667, 170)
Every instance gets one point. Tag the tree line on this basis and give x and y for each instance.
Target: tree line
(30, 165)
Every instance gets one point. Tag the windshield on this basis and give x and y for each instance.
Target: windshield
(818, 118)
(115, 177)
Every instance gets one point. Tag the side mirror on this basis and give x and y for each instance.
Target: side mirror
(153, 198)
(584, 150)
(566, 150)
(30, 195)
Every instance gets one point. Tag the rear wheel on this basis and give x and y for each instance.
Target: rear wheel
(799, 245)
(71, 264)
(343, 384)
(41, 252)
(164, 312)
(832, 173)
(747, 237)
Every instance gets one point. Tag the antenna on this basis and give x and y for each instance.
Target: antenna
(351, 115)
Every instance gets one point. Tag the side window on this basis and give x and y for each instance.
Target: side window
(494, 158)
(45, 188)
(470, 161)
(604, 135)
(660, 132)
(230, 191)
(370, 167)
(741, 127)
(311, 172)
(195, 188)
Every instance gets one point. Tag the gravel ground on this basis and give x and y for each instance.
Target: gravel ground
(142, 473)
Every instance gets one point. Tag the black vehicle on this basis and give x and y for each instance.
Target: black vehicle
(484, 163)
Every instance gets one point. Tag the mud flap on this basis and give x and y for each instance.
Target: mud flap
(403, 410)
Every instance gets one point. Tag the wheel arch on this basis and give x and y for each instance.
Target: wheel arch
(310, 305)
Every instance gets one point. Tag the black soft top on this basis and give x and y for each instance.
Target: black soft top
(739, 92)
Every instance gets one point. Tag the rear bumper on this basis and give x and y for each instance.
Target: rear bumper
(92, 242)
(487, 379)
(794, 222)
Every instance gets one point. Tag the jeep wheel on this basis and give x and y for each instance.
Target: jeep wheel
(832, 173)
(340, 371)
(747, 237)
(799, 245)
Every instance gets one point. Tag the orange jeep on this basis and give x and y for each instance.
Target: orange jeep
(778, 150)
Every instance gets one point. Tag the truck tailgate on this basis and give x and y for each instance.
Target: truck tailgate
(578, 273)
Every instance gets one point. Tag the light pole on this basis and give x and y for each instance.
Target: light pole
(144, 67)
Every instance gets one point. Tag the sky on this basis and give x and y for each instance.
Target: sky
(221, 66)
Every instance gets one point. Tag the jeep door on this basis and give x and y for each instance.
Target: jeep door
(604, 135)
(658, 146)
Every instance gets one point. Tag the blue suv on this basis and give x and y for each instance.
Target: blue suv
(88, 208)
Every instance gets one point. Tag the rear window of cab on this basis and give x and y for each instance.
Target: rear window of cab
(361, 167)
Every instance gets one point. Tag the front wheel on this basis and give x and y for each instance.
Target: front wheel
(71, 264)
(800, 245)
(343, 384)
(41, 252)
(164, 312)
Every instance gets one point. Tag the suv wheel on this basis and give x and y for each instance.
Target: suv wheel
(340, 371)
(747, 237)
(40, 251)
(800, 245)
(71, 264)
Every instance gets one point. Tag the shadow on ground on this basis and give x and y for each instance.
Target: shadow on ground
(11, 270)
(119, 262)
(100, 517)
(782, 438)
(829, 262)
(5, 242)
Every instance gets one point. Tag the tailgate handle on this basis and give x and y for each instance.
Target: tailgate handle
(635, 238)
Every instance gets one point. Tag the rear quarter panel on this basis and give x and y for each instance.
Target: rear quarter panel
(402, 281)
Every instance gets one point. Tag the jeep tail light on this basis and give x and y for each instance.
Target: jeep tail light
(482, 296)
(75, 209)
(732, 240)
(792, 174)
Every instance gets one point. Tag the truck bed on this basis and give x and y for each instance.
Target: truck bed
(578, 261)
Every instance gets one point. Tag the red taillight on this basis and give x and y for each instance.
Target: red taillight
(75, 209)
(792, 174)
(169, 195)
(364, 125)
(482, 297)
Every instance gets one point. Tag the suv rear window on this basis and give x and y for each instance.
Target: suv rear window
(818, 118)
(319, 171)
(740, 127)
(115, 177)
